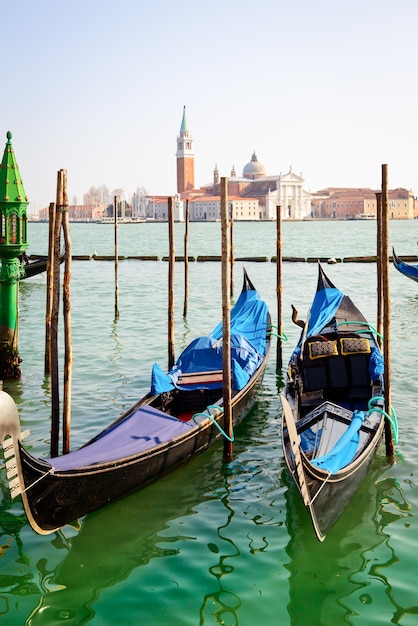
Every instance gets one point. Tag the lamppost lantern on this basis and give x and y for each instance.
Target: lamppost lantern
(13, 206)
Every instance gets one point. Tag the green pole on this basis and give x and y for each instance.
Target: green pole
(9, 304)
(9, 299)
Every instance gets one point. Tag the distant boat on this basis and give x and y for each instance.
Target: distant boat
(38, 266)
(179, 418)
(121, 220)
(364, 216)
(407, 269)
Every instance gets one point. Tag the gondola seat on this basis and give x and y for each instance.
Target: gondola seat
(337, 369)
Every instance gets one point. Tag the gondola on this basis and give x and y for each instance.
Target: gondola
(32, 268)
(180, 417)
(35, 267)
(332, 405)
(407, 269)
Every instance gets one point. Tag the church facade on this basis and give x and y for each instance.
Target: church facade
(255, 193)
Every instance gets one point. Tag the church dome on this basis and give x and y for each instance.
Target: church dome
(254, 169)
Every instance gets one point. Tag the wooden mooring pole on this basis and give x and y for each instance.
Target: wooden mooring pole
(231, 254)
(386, 309)
(49, 288)
(68, 350)
(226, 320)
(171, 263)
(379, 258)
(59, 218)
(115, 210)
(279, 355)
(55, 396)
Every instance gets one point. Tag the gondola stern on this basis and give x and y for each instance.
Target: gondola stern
(11, 438)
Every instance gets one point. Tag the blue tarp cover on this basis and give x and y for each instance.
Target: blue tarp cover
(376, 365)
(323, 309)
(345, 449)
(248, 347)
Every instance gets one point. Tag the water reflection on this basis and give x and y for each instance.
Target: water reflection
(110, 544)
(222, 605)
(185, 336)
(350, 574)
(164, 522)
(12, 522)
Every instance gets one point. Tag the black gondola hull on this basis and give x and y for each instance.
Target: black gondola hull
(332, 418)
(53, 499)
(329, 497)
(181, 417)
(407, 269)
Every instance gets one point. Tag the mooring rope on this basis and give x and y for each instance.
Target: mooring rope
(283, 336)
(369, 326)
(392, 419)
(218, 410)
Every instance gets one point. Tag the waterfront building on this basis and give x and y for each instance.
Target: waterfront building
(79, 213)
(402, 204)
(351, 203)
(157, 208)
(207, 208)
(139, 204)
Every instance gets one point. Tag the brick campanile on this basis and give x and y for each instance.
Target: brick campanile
(185, 157)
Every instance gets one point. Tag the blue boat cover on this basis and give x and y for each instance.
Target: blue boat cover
(248, 347)
(144, 428)
(376, 365)
(345, 449)
(323, 309)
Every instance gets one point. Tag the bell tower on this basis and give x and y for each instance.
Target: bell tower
(185, 158)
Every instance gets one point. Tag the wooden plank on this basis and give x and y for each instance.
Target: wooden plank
(294, 440)
(194, 378)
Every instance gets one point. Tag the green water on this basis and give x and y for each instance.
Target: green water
(211, 544)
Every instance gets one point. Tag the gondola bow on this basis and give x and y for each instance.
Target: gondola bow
(410, 270)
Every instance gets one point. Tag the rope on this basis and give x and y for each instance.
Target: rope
(321, 488)
(283, 337)
(218, 410)
(38, 480)
(393, 421)
(369, 326)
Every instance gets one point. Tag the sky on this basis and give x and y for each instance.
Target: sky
(97, 87)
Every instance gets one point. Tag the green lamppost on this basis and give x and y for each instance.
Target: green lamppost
(13, 243)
